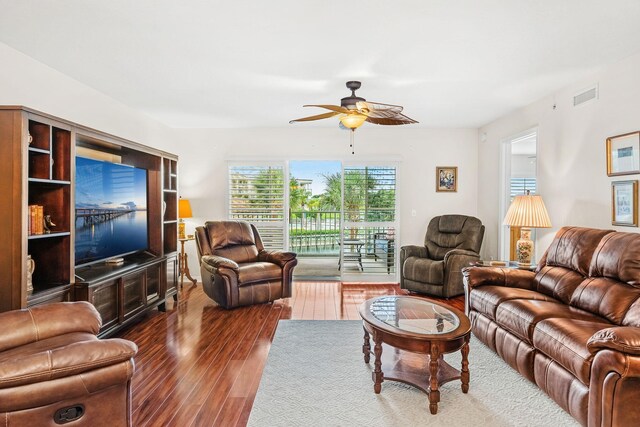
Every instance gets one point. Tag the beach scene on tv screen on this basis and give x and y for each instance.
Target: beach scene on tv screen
(111, 210)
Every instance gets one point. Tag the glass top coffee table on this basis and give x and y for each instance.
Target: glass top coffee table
(416, 325)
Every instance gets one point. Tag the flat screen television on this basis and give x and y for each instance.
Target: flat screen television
(111, 210)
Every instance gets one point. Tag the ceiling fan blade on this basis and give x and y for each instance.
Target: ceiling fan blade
(377, 110)
(335, 108)
(317, 117)
(398, 119)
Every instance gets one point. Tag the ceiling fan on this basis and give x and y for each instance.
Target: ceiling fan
(354, 111)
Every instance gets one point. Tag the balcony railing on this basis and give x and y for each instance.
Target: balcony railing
(314, 232)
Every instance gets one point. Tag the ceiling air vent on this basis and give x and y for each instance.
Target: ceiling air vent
(586, 95)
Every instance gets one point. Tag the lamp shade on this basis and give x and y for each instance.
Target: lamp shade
(527, 211)
(184, 209)
(353, 120)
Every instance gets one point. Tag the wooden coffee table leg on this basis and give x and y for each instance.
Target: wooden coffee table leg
(434, 393)
(465, 366)
(366, 348)
(377, 371)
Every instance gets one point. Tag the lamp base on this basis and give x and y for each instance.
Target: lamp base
(181, 234)
(524, 247)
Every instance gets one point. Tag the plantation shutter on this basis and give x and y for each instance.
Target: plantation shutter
(257, 195)
(519, 186)
(369, 194)
(369, 205)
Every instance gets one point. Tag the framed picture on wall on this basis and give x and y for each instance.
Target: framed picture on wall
(447, 178)
(623, 154)
(624, 199)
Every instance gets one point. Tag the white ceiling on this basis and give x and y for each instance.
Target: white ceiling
(203, 63)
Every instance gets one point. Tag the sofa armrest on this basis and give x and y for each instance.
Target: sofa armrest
(280, 258)
(625, 339)
(216, 262)
(498, 276)
(46, 321)
(65, 361)
(460, 254)
(413, 250)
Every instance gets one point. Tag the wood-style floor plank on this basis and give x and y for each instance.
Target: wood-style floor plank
(200, 365)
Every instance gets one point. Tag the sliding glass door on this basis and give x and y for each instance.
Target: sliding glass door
(368, 240)
(341, 219)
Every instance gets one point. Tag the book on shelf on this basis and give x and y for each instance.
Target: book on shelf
(36, 220)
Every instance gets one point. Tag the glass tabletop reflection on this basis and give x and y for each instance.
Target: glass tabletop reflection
(414, 315)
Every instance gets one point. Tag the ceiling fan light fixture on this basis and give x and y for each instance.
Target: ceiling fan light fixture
(353, 121)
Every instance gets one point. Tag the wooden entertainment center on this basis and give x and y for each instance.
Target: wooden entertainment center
(38, 168)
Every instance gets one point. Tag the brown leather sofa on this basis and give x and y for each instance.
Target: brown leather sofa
(451, 243)
(237, 270)
(53, 369)
(573, 325)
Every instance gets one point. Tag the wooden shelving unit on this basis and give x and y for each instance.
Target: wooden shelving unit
(170, 219)
(40, 169)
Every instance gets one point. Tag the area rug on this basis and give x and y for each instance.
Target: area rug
(315, 376)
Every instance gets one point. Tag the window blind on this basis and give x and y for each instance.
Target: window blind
(257, 195)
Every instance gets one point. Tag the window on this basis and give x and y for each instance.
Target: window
(519, 186)
(257, 195)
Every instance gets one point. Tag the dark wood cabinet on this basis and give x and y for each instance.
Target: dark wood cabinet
(121, 292)
(38, 152)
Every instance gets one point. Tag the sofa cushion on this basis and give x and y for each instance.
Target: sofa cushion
(565, 341)
(423, 270)
(573, 248)
(258, 272)
(557, 282)
(229, 233)
(607, 298)
(486, 299)
(618, 257)
(521, 316)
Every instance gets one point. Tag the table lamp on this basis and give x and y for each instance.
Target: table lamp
(184, 211)
(526, 211)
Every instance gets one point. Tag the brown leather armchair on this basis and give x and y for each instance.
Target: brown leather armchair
(53, 368)
(451, 243)
(237, 270)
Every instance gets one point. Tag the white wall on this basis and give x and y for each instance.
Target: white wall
(204, 155)
(571, 155)
(25, 81)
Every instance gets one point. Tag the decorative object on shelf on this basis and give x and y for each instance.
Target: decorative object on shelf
(527, 211)
(31, 266)
(184, 211)
(47, 224)
(354, 111)
(446, 178)
(29, 138)
(164, 208)
(624, 203)
(623, 154)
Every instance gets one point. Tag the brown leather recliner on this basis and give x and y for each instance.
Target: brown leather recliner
(237, 270)
(54, 369)
(573, 325)
(451, 243)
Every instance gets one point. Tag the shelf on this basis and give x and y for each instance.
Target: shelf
(170, 191)
(49, 181)
(49, 235)
(38, 151)
(173, 221)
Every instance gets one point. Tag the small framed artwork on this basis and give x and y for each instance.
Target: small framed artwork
(624, 199)
(447, 178)
(623, 154)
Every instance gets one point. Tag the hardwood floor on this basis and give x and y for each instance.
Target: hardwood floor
(200, 365)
